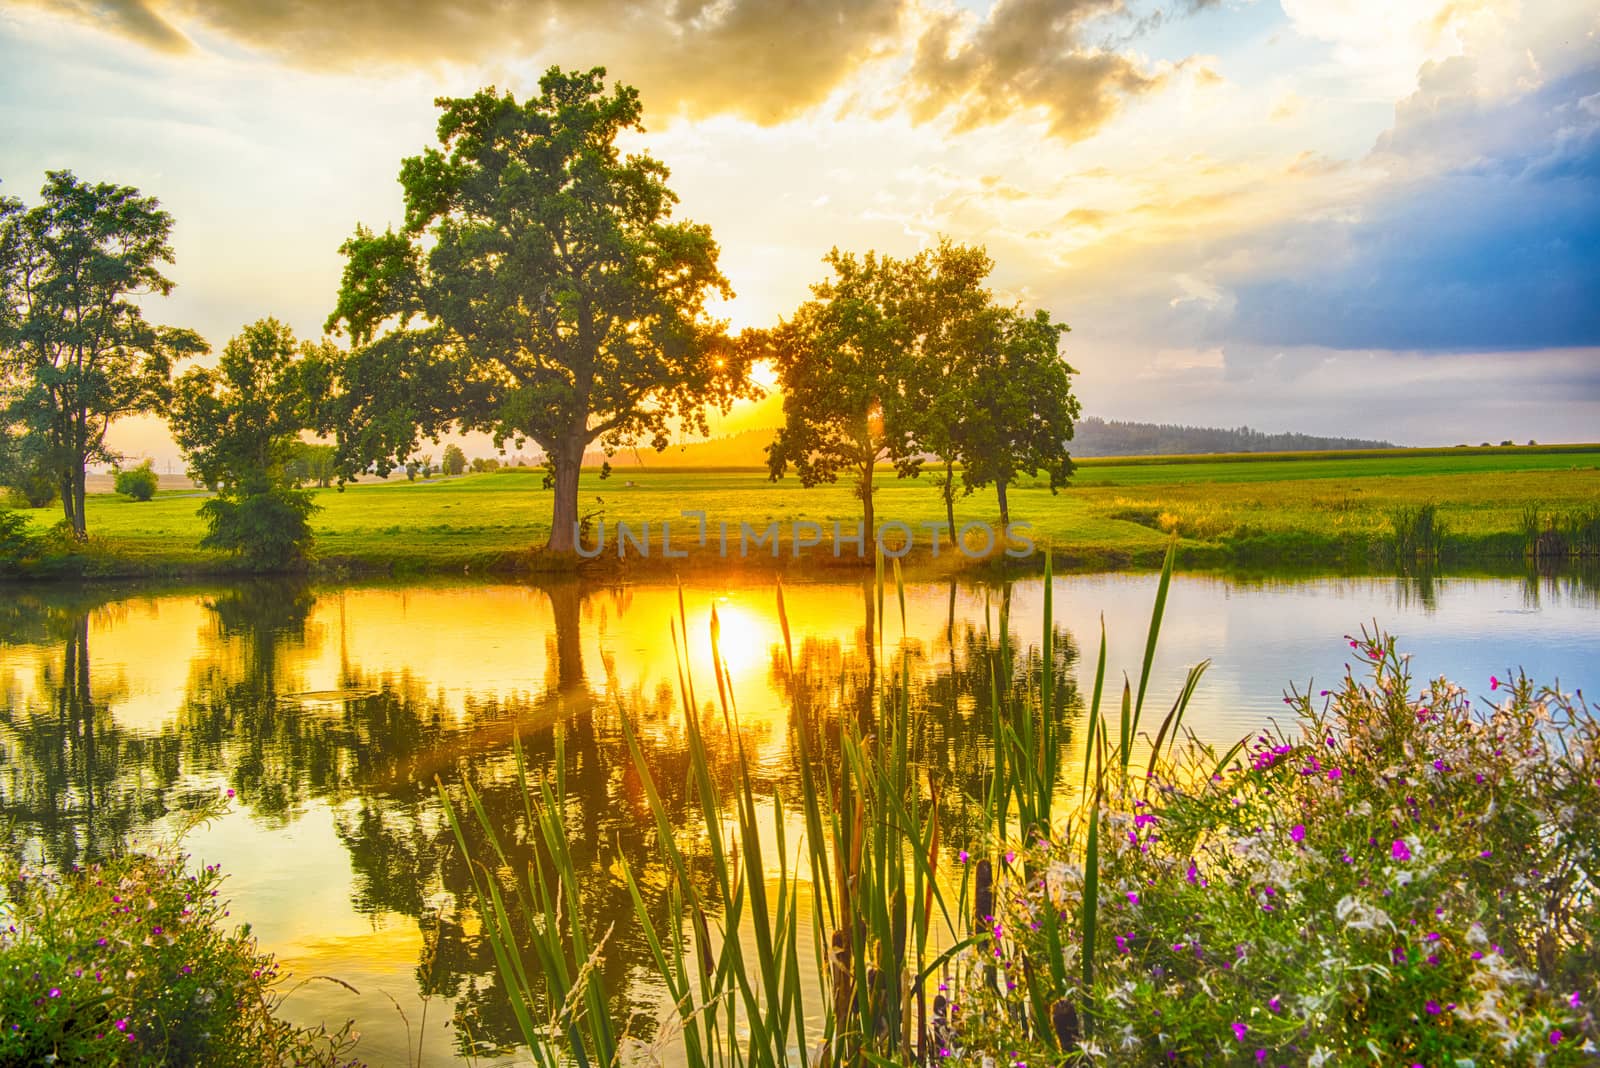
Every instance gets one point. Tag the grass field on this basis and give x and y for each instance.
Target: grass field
(1316, 508)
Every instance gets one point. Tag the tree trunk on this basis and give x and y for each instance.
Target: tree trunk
(568, 461)
(80, 528)
(64, 484)
(866, 505)
(950, 499)
(1005, 511)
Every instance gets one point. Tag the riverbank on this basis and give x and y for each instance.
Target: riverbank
(1349, 510)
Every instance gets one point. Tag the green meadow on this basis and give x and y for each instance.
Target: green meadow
(1315, 508)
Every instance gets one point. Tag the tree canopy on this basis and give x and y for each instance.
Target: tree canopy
(76, 352)
(537, 290)
(895, 360)
(238, 424)
(1019, 408)
(847, 359)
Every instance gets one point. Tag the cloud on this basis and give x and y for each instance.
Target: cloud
(1487, 235)
(1025, 55)
(764, 61)
(134, 19)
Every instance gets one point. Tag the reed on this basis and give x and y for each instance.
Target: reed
(1418, 531)
(890, 916)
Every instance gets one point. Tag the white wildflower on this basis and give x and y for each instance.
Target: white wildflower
(1357, 915)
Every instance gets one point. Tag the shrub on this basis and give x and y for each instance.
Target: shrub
(129, 962)
(17, 542)
(137, 482)
(1403, 878)
(270, 529)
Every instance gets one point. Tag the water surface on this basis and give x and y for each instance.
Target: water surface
(329, 712)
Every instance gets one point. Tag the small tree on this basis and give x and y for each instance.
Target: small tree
(454, 462)
(310, 463)
(75, 350)
(137, 482)
(1022, 410)
(954, 322)
(846, 360)
(238, 424)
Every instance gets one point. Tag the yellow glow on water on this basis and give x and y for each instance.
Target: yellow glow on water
(331, 711)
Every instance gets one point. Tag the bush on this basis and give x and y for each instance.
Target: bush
(128, 962)
(1401, 879)
(270, 529)
(17, 542)
(137, 482)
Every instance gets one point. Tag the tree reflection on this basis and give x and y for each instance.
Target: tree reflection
(374, 748)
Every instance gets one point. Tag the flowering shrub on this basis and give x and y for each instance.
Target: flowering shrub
(1399, 879)
(129, 963)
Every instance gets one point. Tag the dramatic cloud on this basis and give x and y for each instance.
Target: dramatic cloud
(1487, 238)
(765, 61)
(1026, 55)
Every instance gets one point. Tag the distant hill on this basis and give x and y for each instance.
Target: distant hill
(1100, 437)
(1094, 437)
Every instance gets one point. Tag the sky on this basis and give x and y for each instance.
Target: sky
(1374, 218)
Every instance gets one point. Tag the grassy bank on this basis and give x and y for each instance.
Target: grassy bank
(1318, 508)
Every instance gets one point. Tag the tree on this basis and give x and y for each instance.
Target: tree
(846, 359)
(538, 290)
(954, 321)
(137, 482)
(1021, 408)
(454, 462)
(310, 463)
(238, 423)
(75, 350)
(24, 469)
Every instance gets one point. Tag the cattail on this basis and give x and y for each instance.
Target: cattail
(983, 897)
(1064, 1019)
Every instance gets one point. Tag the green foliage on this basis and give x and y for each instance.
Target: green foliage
(130, 962)
(311, 464)
(137, 482)
(1418, 531)
(482, 464)
(848, 360)
(454, 462)
(17, 540)
(894, 359)
(537, 291)
(237, 424)
(26, 473)
(1019, 410)
(75, 350)
(271, 529)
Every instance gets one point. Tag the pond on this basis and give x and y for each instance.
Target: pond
(329, 711)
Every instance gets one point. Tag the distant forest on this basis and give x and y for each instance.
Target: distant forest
(1101, 437)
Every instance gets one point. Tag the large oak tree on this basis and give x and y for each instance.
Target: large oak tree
(76, 352)
(538, 290)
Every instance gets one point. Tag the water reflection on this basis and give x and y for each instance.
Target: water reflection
(332, 712)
